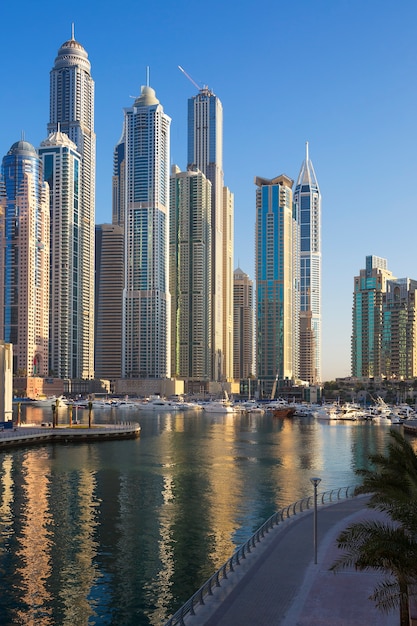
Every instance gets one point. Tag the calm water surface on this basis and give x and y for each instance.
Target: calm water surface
(124, 532)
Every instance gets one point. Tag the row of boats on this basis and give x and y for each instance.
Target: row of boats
(378, 412)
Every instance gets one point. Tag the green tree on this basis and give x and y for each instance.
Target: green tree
(389, 547)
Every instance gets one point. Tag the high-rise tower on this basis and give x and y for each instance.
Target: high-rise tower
(307, 198)
(24, 260)
(243, 348)
(205, 151)
(144, 189)
(190, 274)
(72, 113)
(276, 264)
(367, 316)
(61, 166)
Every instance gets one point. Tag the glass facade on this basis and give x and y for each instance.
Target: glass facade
(307, 199)
(276, 280)
(62, 172)
(143, 196)
(24, 293)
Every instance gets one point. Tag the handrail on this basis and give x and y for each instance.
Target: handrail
(286, 512)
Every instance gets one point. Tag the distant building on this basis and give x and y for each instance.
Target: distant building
(399, 329)
(62, 171)
(6, 381)
(243, 326)
(307, 198)
(109, 301)
(367, 315)
(72, 113)
(277, 279)
(143, 190)
(190, 274)
(24, 260)
(205, 152)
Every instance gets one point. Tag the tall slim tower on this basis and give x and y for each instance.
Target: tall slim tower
(243, 338)
(61, 167)
(276, 261)
(72, 113)
(24, 260)
(144, 188)
(109, 300)
(205, 151)
(307, 198)
(367, 315)
(190, 274)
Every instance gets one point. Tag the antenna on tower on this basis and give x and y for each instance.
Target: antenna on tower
(189, 77)
(147, 75)
(72, 31)
(306, 151)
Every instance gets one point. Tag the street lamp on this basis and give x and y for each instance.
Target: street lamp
(315, 482)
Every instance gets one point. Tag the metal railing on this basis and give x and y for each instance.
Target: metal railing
(286, 512)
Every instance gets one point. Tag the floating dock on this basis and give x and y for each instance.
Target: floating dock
(34, 435)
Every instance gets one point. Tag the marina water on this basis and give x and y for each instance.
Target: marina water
(124, 532)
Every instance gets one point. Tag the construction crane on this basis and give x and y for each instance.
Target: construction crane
(189, 77)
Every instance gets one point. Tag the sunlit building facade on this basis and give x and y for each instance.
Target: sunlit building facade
(72, 113)
(307, 199)
(205, 151)
(24, 260)
(399, 329)
(143, 184)
(62, 170)
(190, 274)
(277, 278)
(367, 315)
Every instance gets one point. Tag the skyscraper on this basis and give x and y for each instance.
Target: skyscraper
(144, 190)
(190, 274)
(205, 151)
(399, 329)
(61, 166)
(72, 113)
(243, 316)
(109, 300)
(367, 312)
(307, 198)
(276, 265)
(24, 260)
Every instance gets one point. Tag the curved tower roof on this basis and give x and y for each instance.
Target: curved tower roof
(24, 148)
(147, 97)
(72, 53)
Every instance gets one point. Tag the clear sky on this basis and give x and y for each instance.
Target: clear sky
(340, 74)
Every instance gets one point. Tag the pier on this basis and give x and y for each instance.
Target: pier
(35, 435)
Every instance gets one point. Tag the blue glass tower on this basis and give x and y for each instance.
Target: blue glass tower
(276, 261)
(307, 199)
(24, 260)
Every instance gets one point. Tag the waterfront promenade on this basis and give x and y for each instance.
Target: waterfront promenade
(278, 582)
(34, 435)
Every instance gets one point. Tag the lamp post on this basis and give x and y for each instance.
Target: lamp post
(315, 482)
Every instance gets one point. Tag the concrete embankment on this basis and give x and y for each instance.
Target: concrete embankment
(28, 435)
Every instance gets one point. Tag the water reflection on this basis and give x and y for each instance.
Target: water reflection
(124, 532)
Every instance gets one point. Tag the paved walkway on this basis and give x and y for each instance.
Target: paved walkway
(280, 584)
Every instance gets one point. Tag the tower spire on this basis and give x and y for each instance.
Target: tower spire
(72, 32)
(306, 152)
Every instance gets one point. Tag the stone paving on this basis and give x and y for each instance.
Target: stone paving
(280, 584)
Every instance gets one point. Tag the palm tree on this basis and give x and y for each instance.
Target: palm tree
(393, 484)
(389, 547)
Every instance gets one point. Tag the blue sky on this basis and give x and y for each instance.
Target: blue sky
(340, 74)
